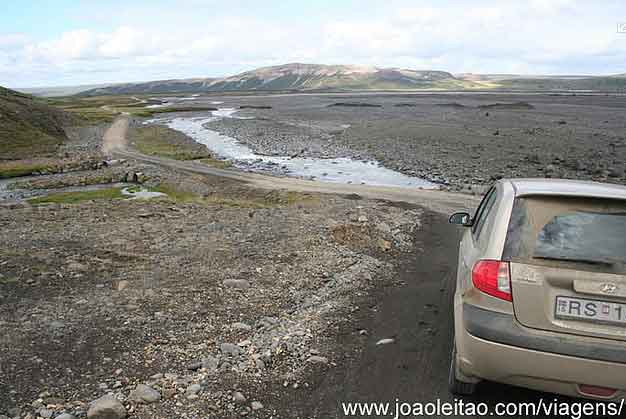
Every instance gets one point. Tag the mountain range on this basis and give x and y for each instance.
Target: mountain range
(299, 77)
(336, 78)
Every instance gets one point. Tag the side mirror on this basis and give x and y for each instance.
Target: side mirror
(461, 218)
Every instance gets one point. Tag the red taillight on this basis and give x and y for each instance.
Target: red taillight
(596, 391)
(492, 277)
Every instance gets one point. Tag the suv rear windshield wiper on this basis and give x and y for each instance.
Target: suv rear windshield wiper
(577, 260)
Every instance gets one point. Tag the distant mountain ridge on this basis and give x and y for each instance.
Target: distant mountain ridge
(320, 77)
(299, 77)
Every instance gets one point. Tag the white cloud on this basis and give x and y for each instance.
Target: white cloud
(539, 36)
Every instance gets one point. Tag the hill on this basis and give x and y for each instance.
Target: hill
(299, 77)
(159, 86)
(29, 127)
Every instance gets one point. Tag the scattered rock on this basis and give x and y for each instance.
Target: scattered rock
(194, 366)
(236, 283)
(384, 245)
(45, 413)
(194, 389)
(230, 349)
(210, 363)
(317, 360)
(239, 398)
(106, 407)
(144, 394)
(241, 326)
(120, 285)
(77, 267)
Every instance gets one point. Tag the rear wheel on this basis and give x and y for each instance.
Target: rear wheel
(456, 386)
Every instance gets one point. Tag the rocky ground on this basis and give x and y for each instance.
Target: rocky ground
(212, 302)
(458, 140)
(219, 300)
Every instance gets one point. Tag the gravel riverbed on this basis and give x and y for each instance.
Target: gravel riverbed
(461, 141)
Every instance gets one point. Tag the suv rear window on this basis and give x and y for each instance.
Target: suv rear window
(582, 233)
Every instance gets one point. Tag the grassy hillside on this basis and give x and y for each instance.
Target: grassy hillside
(29, 127)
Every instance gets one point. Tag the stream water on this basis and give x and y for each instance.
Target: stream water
(338, 170)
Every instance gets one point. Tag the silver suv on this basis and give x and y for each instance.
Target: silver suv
(540, 298)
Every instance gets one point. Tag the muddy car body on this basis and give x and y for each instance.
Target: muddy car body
(540, 298)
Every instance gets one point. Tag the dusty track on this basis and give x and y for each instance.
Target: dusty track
(115, 137)
(114, 142)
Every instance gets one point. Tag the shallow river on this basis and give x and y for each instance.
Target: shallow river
(338, 170)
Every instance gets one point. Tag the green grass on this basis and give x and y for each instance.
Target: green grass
(20, 140)
(269, 200)
(76, 197)
(220, 164)
(17, 168)
(99, 109)
(165, 142)
(177, 194)
(29, 127)
(94, 115)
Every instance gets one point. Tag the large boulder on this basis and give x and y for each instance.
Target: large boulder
(144, 394)
(106, 407)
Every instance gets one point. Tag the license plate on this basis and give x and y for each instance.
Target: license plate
(590, 310)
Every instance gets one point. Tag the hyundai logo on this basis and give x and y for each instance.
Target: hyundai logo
(609, 288)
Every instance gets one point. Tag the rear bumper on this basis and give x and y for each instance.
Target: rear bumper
(503, 328)
(493, 346)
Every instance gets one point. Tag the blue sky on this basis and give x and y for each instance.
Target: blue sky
(96, 41)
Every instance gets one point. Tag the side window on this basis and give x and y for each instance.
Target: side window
(483, 212)
(481, 208)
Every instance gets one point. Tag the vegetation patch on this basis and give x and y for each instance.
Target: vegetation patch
(219, 164)
(356, 105)
(15, 168)
(44, 166)
(96, 178)
(508, 106)
(165, 142)
(176, 194)
(255, 107)
(237, 199)
(79, 196)
(29, 127)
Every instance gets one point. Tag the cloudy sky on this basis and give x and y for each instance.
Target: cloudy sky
(63, 42)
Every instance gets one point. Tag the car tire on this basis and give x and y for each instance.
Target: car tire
(456, 386)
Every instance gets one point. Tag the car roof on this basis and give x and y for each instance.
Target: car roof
(566, 187)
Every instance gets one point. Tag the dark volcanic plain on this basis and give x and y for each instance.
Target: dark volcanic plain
(459, 140)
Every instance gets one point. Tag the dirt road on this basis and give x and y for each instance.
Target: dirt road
(415, 311)
(115, 137)
(115, 143)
